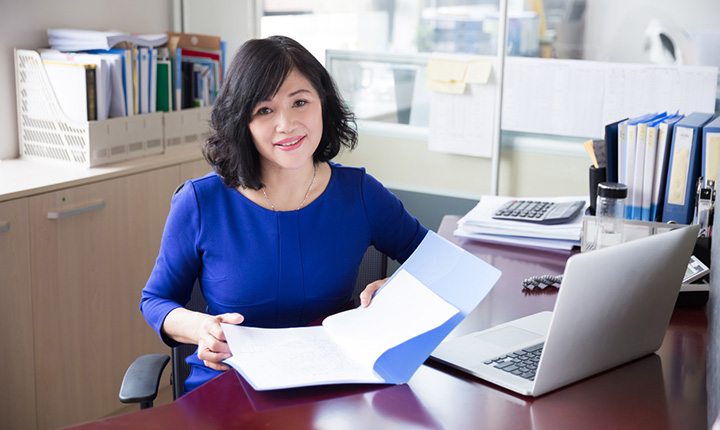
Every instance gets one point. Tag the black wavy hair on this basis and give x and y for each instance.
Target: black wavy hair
(256, 74)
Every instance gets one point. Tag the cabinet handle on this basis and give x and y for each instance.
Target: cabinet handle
(77, 210)
(4, 226)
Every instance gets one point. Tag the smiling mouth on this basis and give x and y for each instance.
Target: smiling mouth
(289, 143)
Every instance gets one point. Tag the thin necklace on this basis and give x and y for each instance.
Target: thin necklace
(306, 194)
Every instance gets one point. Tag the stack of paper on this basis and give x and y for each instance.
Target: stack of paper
(81, 40)
(479, 224)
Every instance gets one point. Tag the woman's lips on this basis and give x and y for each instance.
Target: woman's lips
(290, 143)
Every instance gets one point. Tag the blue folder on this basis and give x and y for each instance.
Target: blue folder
(684, 168)
(710, 159)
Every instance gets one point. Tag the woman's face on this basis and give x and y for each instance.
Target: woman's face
(286, 129)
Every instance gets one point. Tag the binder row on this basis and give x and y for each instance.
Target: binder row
(660, 157)
(127, 80)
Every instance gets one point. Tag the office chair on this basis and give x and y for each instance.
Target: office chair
(142, 379)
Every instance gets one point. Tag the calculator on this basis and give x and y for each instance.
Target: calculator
(538, 211)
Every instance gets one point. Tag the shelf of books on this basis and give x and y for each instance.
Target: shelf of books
(46, 132)
(94, 105)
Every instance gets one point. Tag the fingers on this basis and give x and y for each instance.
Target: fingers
(212, 348)
(213, 359)
(369, 291)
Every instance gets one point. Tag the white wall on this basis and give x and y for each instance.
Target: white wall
(238, 21)
(614, 29)
(23, 24)
(406, 164)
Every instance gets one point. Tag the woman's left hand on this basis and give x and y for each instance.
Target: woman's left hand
(369, 291)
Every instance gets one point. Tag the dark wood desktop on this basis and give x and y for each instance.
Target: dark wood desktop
(666, 390)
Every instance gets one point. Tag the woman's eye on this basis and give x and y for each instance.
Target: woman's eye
(300, 103)
(263, 111)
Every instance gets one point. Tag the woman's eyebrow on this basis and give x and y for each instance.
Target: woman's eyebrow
(302, 90)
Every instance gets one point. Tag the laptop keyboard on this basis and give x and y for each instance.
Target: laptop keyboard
(522, 363)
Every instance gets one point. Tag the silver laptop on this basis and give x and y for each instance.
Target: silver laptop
(614, 306)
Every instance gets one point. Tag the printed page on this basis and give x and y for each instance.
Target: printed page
(291, 357)
(346, 347)
(403, 309)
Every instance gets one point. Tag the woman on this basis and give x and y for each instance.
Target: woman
(276, 234)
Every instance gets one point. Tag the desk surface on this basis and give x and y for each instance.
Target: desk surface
(665, 390)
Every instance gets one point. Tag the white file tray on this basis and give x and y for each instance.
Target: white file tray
(46, 133)
(187, 127)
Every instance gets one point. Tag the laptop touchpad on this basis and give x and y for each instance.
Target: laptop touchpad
(508, 337)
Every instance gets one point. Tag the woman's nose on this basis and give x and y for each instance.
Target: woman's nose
(286, 122)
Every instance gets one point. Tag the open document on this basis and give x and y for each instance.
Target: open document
(435, 289)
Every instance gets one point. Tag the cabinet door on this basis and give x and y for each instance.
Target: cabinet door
(17, 373)
(194, 169)
(93, 247)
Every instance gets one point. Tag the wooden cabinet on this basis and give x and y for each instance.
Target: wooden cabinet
(17, 401)
(194, 169)
(93, 247)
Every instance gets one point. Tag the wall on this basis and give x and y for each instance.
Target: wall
(614, 29)
(23, 24)
(529, 166)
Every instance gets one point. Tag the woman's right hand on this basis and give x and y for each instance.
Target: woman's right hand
(203, 330)
(212, 345)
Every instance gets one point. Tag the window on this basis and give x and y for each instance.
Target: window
(376, 49)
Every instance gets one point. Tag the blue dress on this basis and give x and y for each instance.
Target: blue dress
(277, 269)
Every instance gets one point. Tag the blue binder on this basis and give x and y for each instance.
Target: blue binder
(661, 166)
(627, 141)
(684, 168)
(611, 143)
(711, 151)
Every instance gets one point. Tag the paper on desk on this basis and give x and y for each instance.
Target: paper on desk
(385, 343)
(479, 224)
(352, 341)
(528, 242)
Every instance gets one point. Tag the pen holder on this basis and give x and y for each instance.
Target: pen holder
(597, 175)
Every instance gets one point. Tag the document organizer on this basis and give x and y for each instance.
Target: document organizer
(45, 132)
(186, 127)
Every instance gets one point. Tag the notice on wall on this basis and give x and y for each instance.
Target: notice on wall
(462, 104)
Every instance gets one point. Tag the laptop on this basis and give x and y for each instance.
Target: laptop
(614, 306)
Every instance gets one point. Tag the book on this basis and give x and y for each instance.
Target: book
(143, 76)
(636, 194)
(91, 90)
(684, 168)
(185, 47)
(103, 87)
(662, 159)
(187, 82)
(611, 149)
(385, 343)
(649, 172)
(152, 76)
(73, 85)
(627, 141)
(164, 85)
(711, 153)
(116, 71)
(128, 79)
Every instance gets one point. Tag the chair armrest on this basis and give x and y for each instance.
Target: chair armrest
(142, 379)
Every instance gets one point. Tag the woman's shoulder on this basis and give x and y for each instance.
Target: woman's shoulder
(346, 174)
(198, 188)
(210, 181)
(355, 178)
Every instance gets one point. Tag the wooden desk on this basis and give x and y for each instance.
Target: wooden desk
(662, 391)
